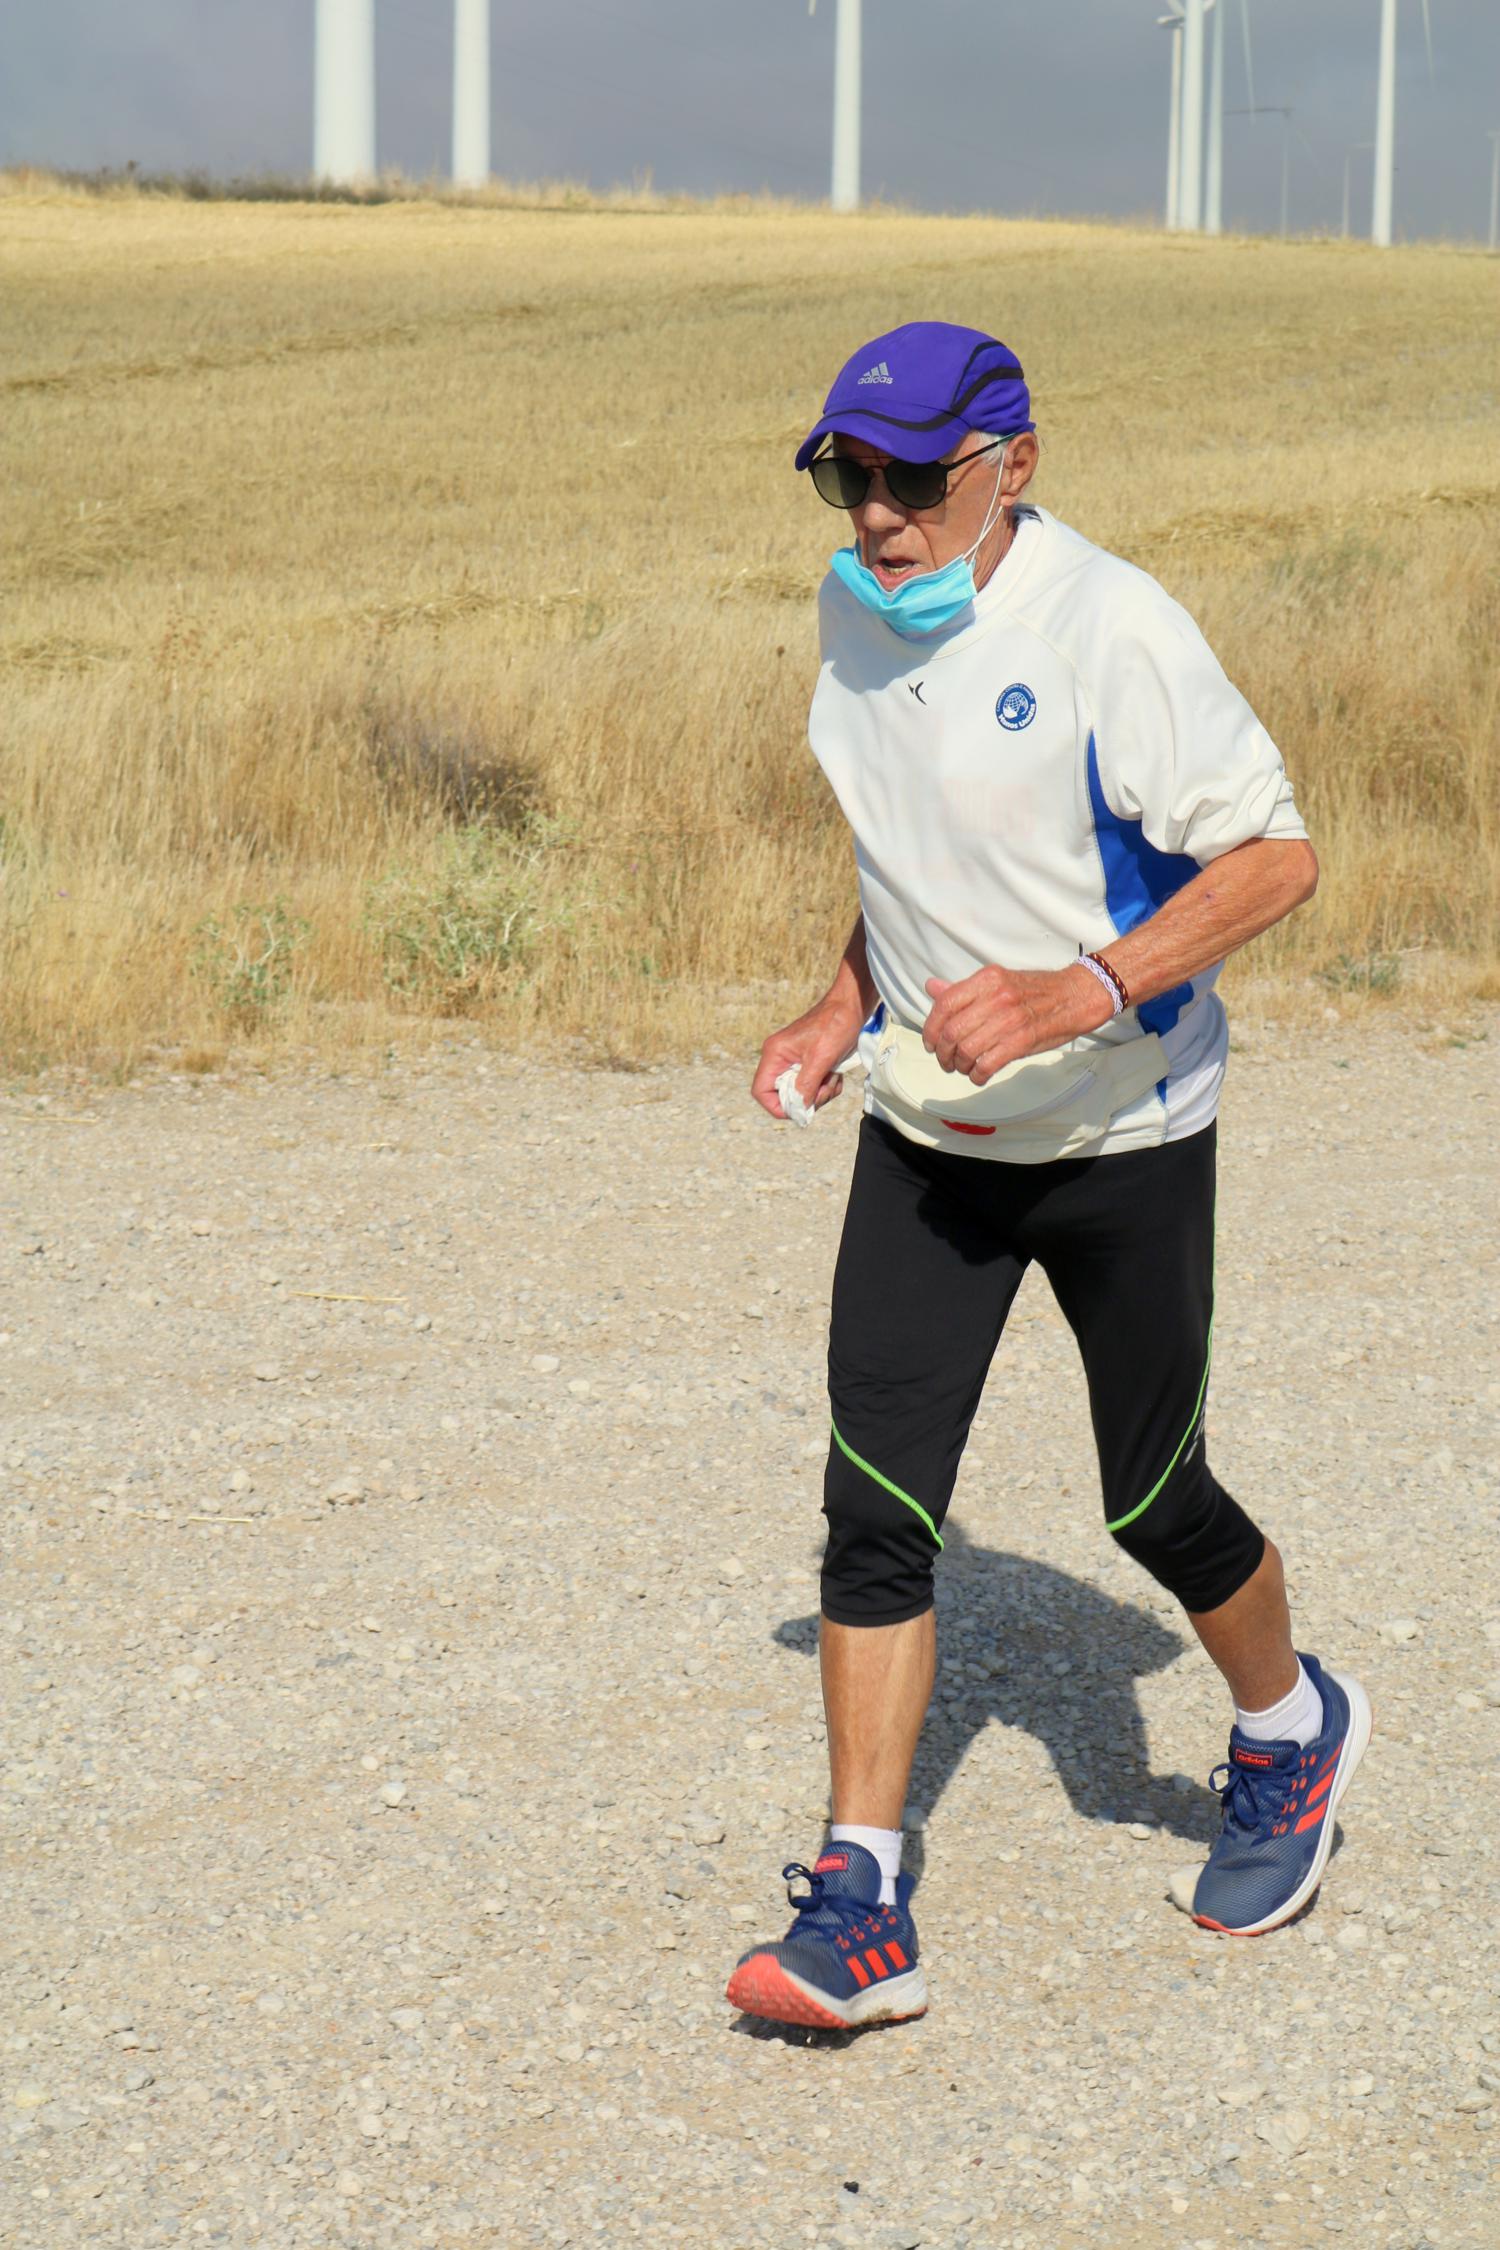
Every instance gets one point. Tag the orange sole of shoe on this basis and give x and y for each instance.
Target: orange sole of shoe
(761, 1987)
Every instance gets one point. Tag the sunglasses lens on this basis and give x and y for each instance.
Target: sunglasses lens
(841, 482)
(844, 483)
(916, 484)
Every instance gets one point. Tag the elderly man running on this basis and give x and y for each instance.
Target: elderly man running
(1064, 818)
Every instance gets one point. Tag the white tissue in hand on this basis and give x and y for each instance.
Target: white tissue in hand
(798, 1111)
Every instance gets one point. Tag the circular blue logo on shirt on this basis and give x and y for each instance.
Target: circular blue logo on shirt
(1016, 707)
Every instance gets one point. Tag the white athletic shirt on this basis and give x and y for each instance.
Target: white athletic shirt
(1043, 775)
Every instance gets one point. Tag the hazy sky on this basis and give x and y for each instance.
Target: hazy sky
(1059, 106)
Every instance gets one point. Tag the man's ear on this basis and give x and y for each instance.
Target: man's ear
(1021, 457)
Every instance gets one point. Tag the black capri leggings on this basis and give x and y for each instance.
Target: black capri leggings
(933, 1251)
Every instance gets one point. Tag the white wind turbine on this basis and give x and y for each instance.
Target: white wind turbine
(846, 103)
(1213, 200)
(1173, 23)
(471, 92)
(1213, 181)
(1385, 120)
(1190, 163)
(344, 90)
(1187, 205)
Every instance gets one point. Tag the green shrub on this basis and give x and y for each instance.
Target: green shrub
(1369, 972)
(246, 960)
(452, 931)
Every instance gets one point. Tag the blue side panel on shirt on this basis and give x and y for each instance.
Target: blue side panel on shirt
(1137, 880)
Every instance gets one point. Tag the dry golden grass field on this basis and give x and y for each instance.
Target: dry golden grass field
(408, 609)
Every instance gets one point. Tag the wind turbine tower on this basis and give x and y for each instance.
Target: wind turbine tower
(1185, 138)
(471, 92)
(1190, 175)
(846, 90)
(344, 90)
(1385, 120)
(1213, 192)
(1172, 22)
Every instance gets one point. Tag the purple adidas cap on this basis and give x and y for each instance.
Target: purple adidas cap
(917, 390)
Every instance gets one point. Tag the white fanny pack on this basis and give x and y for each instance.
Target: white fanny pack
(1044, 1106)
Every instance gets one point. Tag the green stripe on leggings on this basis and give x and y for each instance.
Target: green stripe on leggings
(885, 1483)
(1141, 1507)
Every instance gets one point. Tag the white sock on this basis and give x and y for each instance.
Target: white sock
(1298, 1717)
(885, 1843)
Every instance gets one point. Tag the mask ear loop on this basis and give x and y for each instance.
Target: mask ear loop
(995, 507)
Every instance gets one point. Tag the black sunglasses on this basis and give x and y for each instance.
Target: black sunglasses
(845, 483)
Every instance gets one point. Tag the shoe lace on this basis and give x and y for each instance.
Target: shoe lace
(1250, 1795)
(818, 1914)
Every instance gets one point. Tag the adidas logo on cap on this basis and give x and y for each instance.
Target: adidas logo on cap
(878, 374)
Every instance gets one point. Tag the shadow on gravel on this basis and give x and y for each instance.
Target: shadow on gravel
(769, 2034)
(1066, 1659)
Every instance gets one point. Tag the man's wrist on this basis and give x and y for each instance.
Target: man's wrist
(1092, 998)
(852, 991)
(855, 967)
(844, 1008)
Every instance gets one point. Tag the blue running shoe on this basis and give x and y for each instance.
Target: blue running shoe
(846, 1959)
(1279, 1801)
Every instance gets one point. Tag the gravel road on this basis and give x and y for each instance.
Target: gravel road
(410, 1490)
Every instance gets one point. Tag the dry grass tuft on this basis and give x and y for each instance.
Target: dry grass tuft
(446, 552)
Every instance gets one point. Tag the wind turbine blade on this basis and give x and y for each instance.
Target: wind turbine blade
(1249, 65)
(1427, 32)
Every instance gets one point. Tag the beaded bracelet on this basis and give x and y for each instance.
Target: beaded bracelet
(1112, 982)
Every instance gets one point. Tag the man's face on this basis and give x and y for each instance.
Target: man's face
(897, 542)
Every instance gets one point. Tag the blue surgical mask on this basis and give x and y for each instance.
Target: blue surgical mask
(925, 602)
(918, 605)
